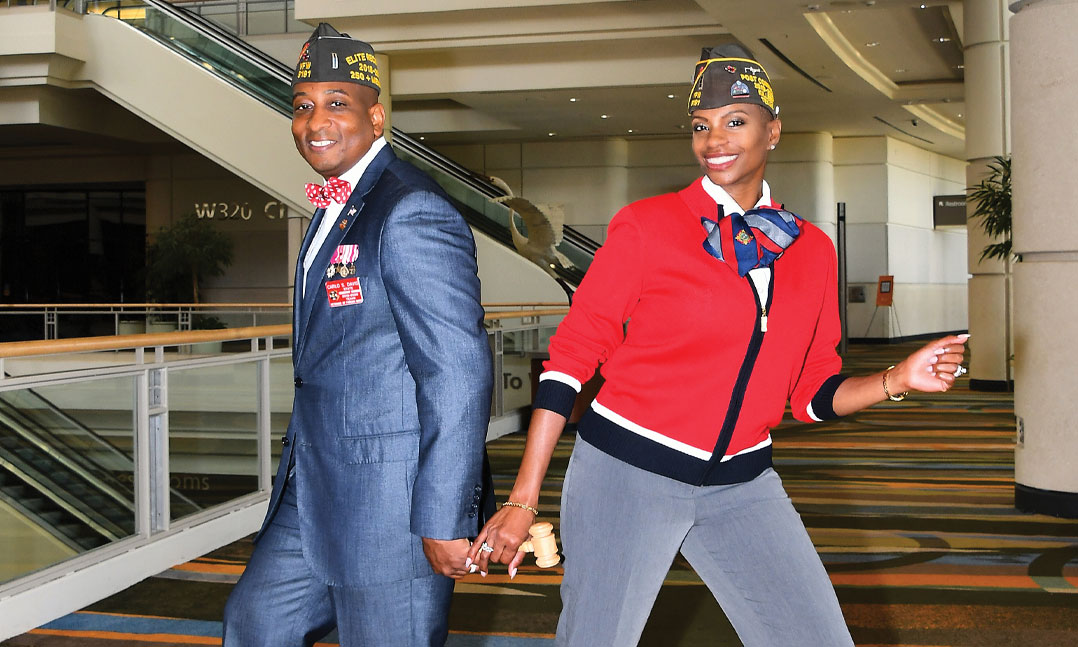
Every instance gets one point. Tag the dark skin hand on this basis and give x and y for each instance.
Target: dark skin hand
(447, 557)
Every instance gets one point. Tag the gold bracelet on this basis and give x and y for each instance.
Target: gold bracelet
(514, 504)
(894, 398)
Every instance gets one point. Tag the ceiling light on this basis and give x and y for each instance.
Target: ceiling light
(551, 134)
(960, 115)
(421, 138)
(572, 99)
(900, 70)
(602, 116)
(812, 7)
(671, 96)
(960, 66)
(924, 6)
(872, 44)
(941, 39)
(630, 130)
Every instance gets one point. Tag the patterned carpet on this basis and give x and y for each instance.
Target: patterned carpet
(910, 505)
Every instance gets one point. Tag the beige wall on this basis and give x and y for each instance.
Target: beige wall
(592, 179)
(887, 186)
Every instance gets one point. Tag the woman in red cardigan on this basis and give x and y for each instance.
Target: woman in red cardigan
(708, 309)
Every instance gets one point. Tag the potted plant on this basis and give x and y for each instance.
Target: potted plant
(993, 198)
(207, 322)
(181, 256)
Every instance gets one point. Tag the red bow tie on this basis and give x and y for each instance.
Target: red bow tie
(335, 190)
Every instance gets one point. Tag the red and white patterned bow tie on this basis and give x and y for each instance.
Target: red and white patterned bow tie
(335, 190)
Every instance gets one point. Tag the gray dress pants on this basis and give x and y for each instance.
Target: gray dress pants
(622, 527)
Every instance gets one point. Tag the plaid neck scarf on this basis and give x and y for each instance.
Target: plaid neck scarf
(758, 237)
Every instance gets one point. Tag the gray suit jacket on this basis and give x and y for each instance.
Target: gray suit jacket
(393, 394)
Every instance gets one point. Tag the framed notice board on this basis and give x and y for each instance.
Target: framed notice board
(885, 290)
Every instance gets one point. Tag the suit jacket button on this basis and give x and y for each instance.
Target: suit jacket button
(299, 382)
(471, 514)
(478, 489)
(284, 441)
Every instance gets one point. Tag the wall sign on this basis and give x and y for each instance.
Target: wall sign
(272, 210)
(949, 210)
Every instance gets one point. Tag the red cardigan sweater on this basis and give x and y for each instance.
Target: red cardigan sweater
(693, 384)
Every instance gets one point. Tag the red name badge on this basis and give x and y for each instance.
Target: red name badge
(344, 292)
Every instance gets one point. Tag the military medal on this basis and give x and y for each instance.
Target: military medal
(343, 261)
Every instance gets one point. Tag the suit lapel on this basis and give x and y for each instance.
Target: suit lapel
(297, 283)
(315, 275)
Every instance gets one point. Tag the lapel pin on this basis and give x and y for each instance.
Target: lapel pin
(344, 223)
(352, 211)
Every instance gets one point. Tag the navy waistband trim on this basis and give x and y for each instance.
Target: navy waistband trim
(611, 438)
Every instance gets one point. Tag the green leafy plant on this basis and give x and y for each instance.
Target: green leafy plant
(181, 256)
(207, 322)
(993, 198)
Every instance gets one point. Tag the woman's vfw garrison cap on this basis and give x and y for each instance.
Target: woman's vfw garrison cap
(730, 74)
(329, 55)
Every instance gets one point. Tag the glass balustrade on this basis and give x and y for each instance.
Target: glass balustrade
(64, 490)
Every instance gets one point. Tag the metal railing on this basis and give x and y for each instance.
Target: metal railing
(137, 318)
(134, 318)
(204, 417)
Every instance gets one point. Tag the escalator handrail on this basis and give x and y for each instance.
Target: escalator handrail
(79, 458)
(72, 460)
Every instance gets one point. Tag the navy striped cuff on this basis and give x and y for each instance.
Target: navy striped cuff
(823, 403)
(555, 396)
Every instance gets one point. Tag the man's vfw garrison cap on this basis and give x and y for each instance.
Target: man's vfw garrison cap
(329, 55)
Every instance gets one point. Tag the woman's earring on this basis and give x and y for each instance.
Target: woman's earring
(772, 147)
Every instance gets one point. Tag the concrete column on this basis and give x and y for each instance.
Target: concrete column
(987, 135)
(386, 96)
(1046, 281)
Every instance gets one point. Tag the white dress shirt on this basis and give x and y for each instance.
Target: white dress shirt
(329, 218)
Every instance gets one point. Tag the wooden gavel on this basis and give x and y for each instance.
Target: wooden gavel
(543, 544)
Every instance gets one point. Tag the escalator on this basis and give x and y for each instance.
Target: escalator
(267, 80)
(65, 478)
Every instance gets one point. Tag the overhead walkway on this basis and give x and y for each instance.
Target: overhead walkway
(232, 103)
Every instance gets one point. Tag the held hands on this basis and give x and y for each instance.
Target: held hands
(931, 369)
(447, 557)
(504, 533)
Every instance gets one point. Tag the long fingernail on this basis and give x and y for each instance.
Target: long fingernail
(964, 336)
(512, 572)
(935, 358)
(940, 351)
(929, 369)
(483, 573)
(468, 562)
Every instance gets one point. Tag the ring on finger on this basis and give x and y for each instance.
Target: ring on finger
(485, 548)
(473, 568)
(960, 371)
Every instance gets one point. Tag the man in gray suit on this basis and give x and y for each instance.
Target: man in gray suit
(380, 479)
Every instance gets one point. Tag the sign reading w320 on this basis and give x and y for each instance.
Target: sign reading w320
(272, 210)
